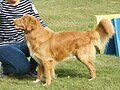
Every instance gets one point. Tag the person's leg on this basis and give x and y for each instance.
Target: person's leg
(33, 63)
(14, 60)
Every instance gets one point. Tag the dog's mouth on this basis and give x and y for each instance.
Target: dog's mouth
(19, 26)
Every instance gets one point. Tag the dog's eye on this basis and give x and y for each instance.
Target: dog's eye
(24, 20)
(29, 20)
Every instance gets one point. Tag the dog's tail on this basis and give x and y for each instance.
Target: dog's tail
(104, 31)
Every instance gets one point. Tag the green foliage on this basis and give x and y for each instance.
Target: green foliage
(61, 15)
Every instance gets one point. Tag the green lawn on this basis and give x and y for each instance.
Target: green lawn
(61, 15)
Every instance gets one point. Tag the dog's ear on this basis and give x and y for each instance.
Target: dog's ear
(31, 25)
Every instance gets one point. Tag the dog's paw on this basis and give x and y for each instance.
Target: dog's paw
(90, 79)
(37, 81)
(44, 85)
(54, 77)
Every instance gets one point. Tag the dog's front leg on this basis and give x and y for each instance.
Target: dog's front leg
(53, 75)
(40, 73)
(47, 68)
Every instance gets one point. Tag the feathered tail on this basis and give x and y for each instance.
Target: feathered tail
(104, 31)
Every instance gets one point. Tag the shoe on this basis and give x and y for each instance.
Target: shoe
(33, 73)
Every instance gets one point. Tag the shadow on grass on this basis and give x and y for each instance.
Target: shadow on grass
(60, 72)
(20, 77)
(71, 73)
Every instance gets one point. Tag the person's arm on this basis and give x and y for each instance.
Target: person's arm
(35, 13)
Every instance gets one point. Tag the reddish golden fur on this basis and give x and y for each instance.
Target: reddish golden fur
(48, 47)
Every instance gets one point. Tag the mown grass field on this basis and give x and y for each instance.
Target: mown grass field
(61, 15)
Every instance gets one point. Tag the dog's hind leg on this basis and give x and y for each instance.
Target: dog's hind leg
(87, 60)
(90, 66)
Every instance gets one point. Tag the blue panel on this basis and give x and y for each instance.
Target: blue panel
(110, 47)
(116, 23)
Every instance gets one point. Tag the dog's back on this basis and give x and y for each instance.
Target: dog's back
(63, 44)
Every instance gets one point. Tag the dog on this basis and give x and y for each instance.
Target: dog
(48, 47)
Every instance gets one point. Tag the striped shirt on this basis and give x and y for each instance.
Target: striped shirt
(8, 32)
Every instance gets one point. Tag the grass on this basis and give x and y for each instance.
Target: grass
(61, 15)
(73, 75)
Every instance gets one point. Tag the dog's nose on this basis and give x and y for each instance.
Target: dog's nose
(15, 24)
(14, 20)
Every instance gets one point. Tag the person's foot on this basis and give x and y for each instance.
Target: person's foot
(33, 73)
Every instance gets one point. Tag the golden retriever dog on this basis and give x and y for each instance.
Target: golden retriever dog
(48, 47)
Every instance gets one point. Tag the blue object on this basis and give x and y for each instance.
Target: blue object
(116, 23)
(110, 47)
(113, 46)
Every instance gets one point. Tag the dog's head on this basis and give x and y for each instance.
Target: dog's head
(26, 23)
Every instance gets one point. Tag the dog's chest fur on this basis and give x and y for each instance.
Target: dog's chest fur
(32, 54)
